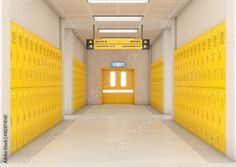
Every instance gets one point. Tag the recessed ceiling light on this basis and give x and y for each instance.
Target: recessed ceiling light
(103, 30)
(118, 18)
(118, 1)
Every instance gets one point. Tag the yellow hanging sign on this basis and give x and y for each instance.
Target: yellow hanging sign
(126, 44)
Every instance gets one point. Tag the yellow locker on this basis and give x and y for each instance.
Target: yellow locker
(210, 58)
(198, 112)
(156, 85)
(14, 45)
(43, 63)
(222, 121)
(20, 58)
(20, 118)
(198, 62)
(37, 60)
(26, 114)
(40, 63)
(33, 120)
(222, 55)
(215, 57)
(13, 123)
(201, 113)
(46, 110)
(199, 86)
(36, 112)
(27, 58)
(32, 60)
(36, 95)
(209, 110)
(40, 110)
(31, 115)
(215, 120)
(204, 80)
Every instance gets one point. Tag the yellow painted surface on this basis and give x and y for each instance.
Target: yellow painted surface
(199, 91)
(117, 97)
(36, 92)
(156, 85)
(117, 44)
(118, 41)
(79, 85)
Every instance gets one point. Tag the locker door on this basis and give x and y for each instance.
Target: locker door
(27, 58)
(20, 118)
(20, 58)
(222, 55)
(216, 118)
(13, 125)
(26, 115)
(209, 116)
(31, 115)
(215, 57)
(198, 112)
(14, 44)
(36, 111)
(32, 62)
(40, 62)
(205, 114)
(198, 62)
(60, 66)
(209, 60)
(222, 121)
(36, 62)
(201, 113)
(204, 79)
(40, 110)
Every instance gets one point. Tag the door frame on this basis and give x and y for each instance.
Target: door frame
(109, 68)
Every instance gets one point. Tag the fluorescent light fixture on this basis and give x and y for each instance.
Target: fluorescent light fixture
(103, 30)
(118, 1)
(118, 18)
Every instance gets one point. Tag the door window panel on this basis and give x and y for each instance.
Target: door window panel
(112, 79)
(123, 79)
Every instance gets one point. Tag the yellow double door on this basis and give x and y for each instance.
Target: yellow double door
(118, 86)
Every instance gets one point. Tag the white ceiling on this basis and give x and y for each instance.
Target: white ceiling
(79, 16)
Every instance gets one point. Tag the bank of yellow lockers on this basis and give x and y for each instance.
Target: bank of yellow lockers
(36, 92)
(199, 86)
(156, 85)
(79, 85)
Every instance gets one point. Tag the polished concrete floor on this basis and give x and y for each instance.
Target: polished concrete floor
(118, 136)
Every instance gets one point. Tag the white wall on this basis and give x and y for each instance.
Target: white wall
(158, 49)
(168, 72)
(72, 48)
(163, 48)
(102, 59)
(198, 17)
(231, 80)
(37, 17)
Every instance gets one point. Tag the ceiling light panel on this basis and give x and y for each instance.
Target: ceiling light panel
(118, 1)
(118, 18)
(118, 30)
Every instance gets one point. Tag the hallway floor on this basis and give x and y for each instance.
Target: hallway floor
(118, 136)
